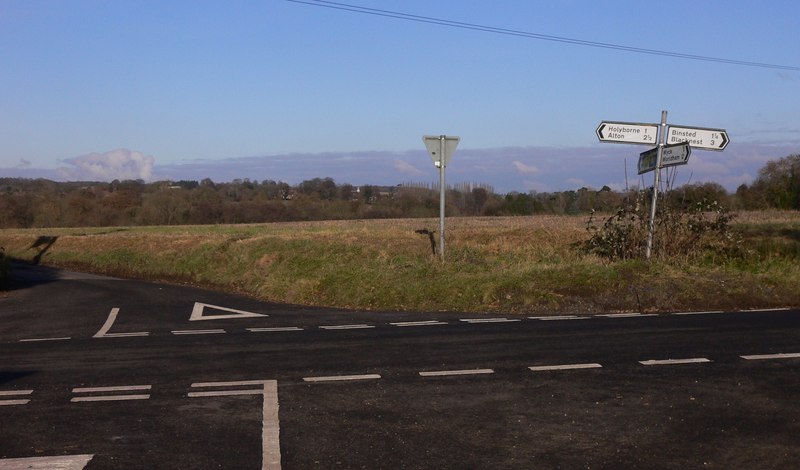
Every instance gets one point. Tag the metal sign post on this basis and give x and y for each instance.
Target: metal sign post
(441, 149)
(674, 142)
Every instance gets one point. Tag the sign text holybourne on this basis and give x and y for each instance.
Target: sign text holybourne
(627, 132)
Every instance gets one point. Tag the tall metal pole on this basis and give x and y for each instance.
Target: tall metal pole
(441, 195)
(661, 137)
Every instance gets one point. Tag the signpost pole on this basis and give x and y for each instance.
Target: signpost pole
(441, 195)
(656, 182)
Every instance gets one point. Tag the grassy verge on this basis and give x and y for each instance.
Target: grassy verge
(508, 265)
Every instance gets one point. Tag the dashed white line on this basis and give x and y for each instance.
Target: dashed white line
(121, 388)
(197, 332)
(661, 362)
(445, 373)
(346, 327)
(419, 323)
(32, 340)
(274, 329)
(756, 357)
(15, 400)
(489, 320)
(591, 365)
(341, 378)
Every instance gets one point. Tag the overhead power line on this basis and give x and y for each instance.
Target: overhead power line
(530, 35)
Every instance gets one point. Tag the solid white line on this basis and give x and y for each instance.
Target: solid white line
(419, 323)
(11, 403)
(31, 340)
(757, 357)
(757, 310)
(660, 362)
(592, 365)
(280, 328)
(112, 317)
(198, 332)
(270, 428)
(489, 320)
(121, 388)
(560, 317)
(337, 378)
(709, 312)
(110, 398)
(628, 315)
(13, 393)
(346, 327)
(444, 373)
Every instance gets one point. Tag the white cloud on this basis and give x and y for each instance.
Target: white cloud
(407, 168)
(525, 169)
(119, 164)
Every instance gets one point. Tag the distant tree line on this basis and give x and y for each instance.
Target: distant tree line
(26, 203)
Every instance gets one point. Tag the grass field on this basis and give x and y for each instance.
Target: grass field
(500, 264)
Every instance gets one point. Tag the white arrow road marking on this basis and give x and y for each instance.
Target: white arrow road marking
(270, 424)
(112, 317)
(198, 313)
(61, 462)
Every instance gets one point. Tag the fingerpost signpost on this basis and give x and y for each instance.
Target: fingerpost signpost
(673, 147)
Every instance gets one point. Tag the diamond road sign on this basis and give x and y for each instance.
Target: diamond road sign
(627, 132)
(698, 137)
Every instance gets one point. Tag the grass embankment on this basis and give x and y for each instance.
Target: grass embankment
(510, 265)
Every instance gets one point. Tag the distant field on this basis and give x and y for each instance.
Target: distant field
(494, 265)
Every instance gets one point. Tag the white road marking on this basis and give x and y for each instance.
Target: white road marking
(661, 362)
(757, 310)
(339, 378)
(591, 365)
(627, 315)
(346, 327)
(61, 462)
(560, 317)
(270, 423)
(120, 388)
(489, 320)
(32, 340)
(419, 323)
(445, 373)
(757, 357)
(709, 312)
(198, 313)
(109, 398)
(280, 328)
(112, 317)
(198, 332)
(15, 400)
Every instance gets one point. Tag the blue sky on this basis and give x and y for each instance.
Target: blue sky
(280, 90)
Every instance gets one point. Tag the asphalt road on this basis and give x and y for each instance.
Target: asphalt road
(113, 374)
